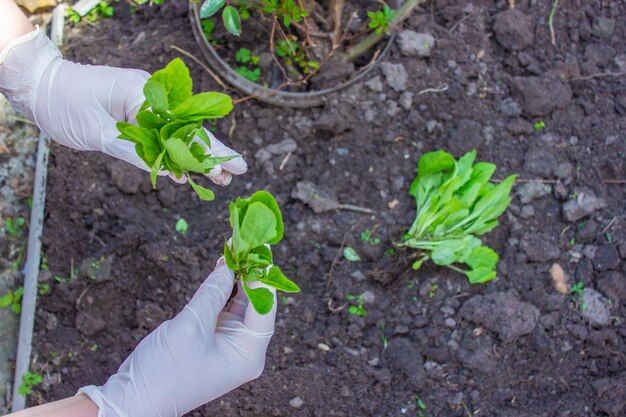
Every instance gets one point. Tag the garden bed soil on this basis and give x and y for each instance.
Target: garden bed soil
(512, 347)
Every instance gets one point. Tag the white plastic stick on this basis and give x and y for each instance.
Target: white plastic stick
(33, 259)
(58, 24)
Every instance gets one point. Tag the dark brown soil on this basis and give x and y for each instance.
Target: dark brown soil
(514, 347)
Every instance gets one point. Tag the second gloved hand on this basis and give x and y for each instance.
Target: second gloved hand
(204, 352)
(79, 105)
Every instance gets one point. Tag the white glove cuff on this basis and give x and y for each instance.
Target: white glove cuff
(105, 408)
(22, 64)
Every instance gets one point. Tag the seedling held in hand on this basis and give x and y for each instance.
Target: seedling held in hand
(169, 134)
(455, 204)
(256, 223)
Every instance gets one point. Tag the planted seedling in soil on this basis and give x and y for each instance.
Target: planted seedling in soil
(456, 203)
(356, 308)
(169, 134)
(29, 381)
(256, 223)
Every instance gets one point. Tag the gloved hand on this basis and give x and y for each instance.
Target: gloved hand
(204, 352)
(79, 105)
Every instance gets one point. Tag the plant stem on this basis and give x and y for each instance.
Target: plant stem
(402, 13)
(551, 21)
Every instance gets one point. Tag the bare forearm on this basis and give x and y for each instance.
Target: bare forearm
(78, 406)
(13, 23)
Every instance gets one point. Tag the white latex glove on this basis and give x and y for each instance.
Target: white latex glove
(204, 352)
(79, 105)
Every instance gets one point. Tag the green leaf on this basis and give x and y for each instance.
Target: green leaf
(350, 254)
(203, 106)
(155, 168)
(156, 96)
(276, 279)
(228, 257)
(480, 275)
(270, 202)
(204, 136)
(6, 300)
(182, 226)
(232, 21)
(181, 155)
(176, 80)
(210, 7)
(262, 299)
(482, 257)
(150, 120)
(145, 138)
(258, 225)
(443, 256)
(204, 193)
(434, 162)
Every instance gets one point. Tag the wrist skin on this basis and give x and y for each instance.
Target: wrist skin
(13, 23)
(77, 406)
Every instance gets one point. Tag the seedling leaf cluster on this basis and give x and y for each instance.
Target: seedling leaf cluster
(456, 203)
(169, 134)
(256, 223)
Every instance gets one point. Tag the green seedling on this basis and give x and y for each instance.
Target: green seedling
(456, 203)
(383, 337)
(350, 254)
(249, 68)
(578, 291)
(43, 263)
(390, 252)
(169, 134)
(182, 226)
(433, 290)
(257, 223)
(293, 55)
(13, 300)
(366, 236)
(539, 125)
(29, 381)
(43, 288)
(381, 20)
(14, 227)
(356, 305)
(421, 407)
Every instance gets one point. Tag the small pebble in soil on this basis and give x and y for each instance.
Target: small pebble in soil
(603, 27)
(415, 44)
(596, 308)
(395, 75)
(582, 205)
(296, 402)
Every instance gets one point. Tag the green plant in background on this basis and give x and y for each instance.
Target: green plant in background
(381, 20)
(169, 130)
(29, 381)
(14, 227)
(256, 223)
(249, 68)
(456, 203)
(356, 305)
(207, 28)
(383, 336)
(292, 54)
(421, 406)
(102, 9)
(286, 10)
